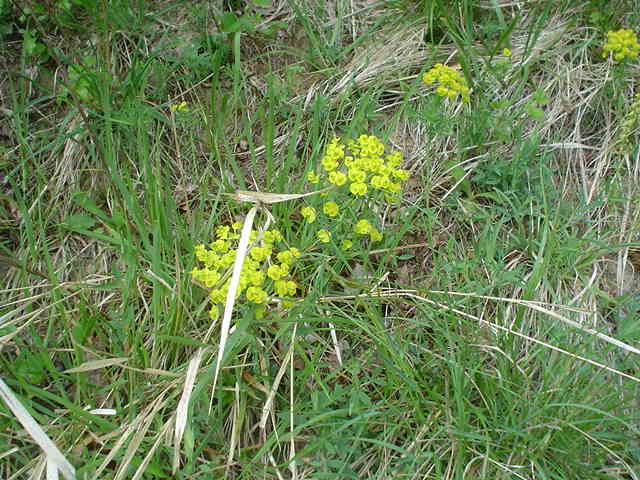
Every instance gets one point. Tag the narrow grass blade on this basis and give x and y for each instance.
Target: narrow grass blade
(266, 409)
(97, 365)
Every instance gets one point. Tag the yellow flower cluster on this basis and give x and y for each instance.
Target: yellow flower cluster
(363, 227)
(622, 44)
(363, 165)
(451, 82)
(180, 107)
(365, 168)
(265, 269)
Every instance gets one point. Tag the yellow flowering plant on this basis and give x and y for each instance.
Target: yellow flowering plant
(352, 177)
(449, 82)
(266, 272)
(355, 175)
(621, 44)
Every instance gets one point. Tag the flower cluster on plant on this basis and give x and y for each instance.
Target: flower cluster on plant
(359, 172)
(355, 175)
(622, 44)
(182, 107)
(266, 272)
(450, 83)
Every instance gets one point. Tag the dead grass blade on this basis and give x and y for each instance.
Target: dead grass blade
(143, 465)
(269, 198)
(183, 406)
(147, 420)
(533, 305)
(35, 431)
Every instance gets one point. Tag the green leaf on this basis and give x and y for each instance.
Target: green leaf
(86, 202)
(78, 222)
(229, 23)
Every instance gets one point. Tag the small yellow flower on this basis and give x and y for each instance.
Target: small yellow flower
(201, 252)
(222, 232)
(357, 176)
(220, 246)
(209, 277)
(379, 181)
(291, 287)
(394, 159)
(179, 107)
(309, 213)
(313, 177)
(358, 188)
(337, 178)
(331, 209)
(363, 227)
(346, 244)
(259, 254)
(402, 175)
(280, 286)
(271, 236)
(274, 272)
(256, 295)
(218, 295)
(329, 164)
(256, 278)
(375, 235)
(285, 257)
(324, 236)
(506, 52)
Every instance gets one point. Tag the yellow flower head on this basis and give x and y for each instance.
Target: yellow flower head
(309, 213)
(346, 244)
(313, 177)
(329, 164)
(450, 83)
(220, 246)
(285, 257)
(324, 236)
(256, 278)
(337, 178)
(358, 188)
(259, 254)
(331, 209)
(180, 107)
(256, 295)
(274, 272)
(272, 236)
(375, 235)
(363, 227)
(356, 175)
(622, 44)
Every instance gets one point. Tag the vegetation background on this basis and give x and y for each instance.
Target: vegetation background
(493, 334)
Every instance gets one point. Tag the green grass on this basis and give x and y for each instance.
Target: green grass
(425, 358)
